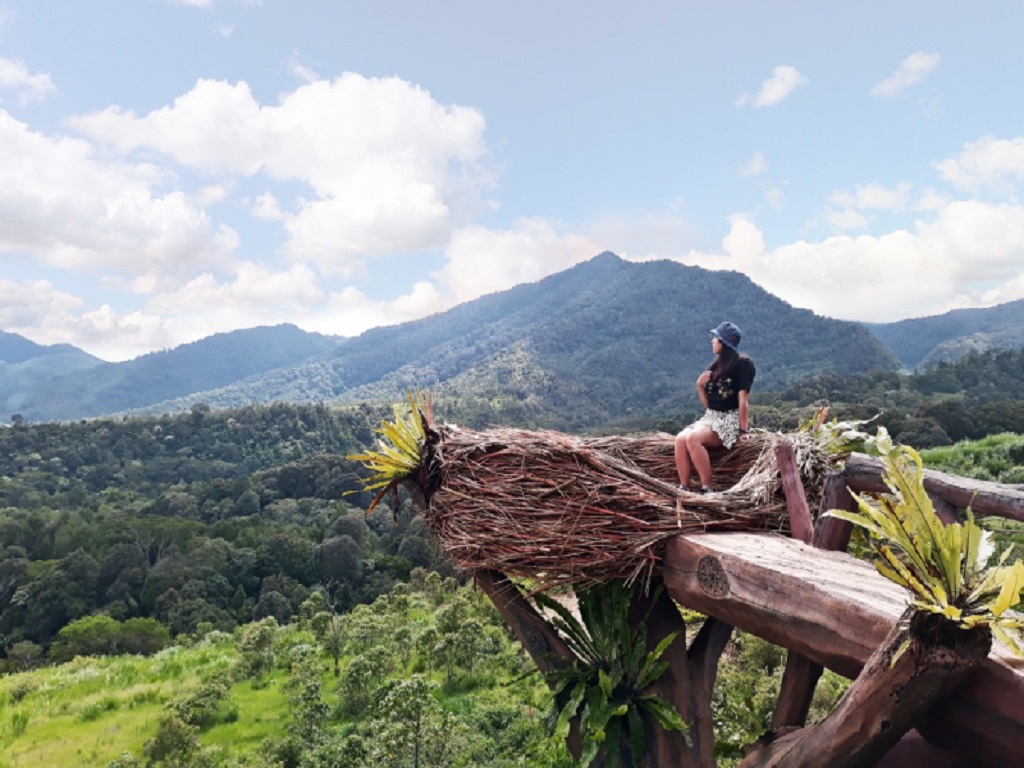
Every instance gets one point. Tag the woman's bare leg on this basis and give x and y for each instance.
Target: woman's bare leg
(698, 440)
(683, 466)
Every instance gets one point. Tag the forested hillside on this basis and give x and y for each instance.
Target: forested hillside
(922, 341)
(128, 535)
(222, 515)
(217, 517)
(980, 394)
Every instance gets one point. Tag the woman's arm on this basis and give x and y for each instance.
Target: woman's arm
(702, 392)
(744, 411)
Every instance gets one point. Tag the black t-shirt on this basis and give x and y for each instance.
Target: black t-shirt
(724, 394)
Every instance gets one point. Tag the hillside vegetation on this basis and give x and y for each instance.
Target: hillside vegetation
(221, 516)
(218, 546)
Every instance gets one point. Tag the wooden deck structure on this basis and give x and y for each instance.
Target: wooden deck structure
(833, 611)
(830, 611)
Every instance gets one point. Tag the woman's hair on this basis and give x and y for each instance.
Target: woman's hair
(724, 363)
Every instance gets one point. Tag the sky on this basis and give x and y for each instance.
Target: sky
(170, 169)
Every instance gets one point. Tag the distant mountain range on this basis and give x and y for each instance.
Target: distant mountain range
(25, 365)
(922, 341)
(609, 337)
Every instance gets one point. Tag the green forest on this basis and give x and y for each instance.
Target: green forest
(205, 588)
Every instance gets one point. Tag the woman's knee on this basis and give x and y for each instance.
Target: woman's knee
(698, 439)
(680, 441)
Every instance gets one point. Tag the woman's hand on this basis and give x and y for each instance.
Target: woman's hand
(702, 380)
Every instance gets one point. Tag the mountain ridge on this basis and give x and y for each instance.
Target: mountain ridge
(616, 336)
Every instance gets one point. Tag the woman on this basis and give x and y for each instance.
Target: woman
(723, 389)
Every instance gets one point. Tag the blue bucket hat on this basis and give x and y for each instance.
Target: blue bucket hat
(728, 334)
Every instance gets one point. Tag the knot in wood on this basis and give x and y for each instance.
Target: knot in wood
(711, 577)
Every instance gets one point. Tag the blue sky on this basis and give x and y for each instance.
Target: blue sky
(171, 169)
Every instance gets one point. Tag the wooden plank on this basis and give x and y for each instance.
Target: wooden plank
(836, 611)
(864, 473)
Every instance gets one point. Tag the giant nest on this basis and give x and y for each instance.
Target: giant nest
(561, 509)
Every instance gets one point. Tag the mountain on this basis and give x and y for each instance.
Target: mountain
(202, 365)
(605, 340)
(25, 364)
(924, 340)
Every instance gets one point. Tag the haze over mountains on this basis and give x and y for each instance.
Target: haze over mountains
(621, 337)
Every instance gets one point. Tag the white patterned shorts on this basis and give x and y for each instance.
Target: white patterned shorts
(725, 424)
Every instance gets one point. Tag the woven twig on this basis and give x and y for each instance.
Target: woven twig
(558, 509)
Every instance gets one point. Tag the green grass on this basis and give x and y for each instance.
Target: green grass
(998, 457)
(89, 711)
(262, 712)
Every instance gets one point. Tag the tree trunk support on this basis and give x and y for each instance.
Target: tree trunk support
(885, 700)
(533, 631)
(687, 684)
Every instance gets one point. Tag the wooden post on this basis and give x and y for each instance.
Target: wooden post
(801, 526)
(801, 675)
(695, 749)
(945, 511)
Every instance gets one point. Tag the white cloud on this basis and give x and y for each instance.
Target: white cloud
(641, 236)
(350, 312)
(301, 71)
(847, 219)
(849, 207)
(72, 209)
(193, 3)
(873, 197)
(912, 70)
(266, 207)
(969, 254)
(481, 261)
(253, 291)
(29, 87)
(39, 311)
(931, 200)
(390, 169)
(755, 166)
(784, 80)
(988, 162)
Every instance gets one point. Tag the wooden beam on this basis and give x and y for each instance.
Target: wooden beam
(836, 611)
(540, 640)
(913, 751)
(864, 473)
(828, 606)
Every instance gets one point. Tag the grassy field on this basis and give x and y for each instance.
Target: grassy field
(91, 710)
